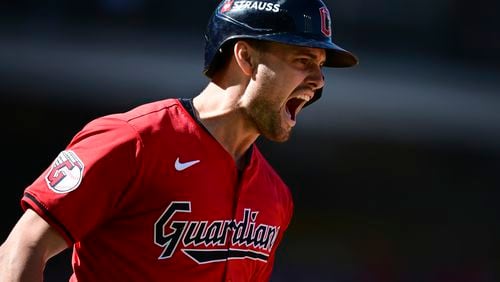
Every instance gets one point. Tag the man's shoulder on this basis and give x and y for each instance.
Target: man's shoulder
(152, 112)
(151, 108)
(148, 116)
(157, 114)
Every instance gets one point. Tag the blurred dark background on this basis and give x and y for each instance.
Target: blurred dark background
(395, 172)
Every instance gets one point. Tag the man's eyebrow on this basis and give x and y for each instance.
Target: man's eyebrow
(305, 53)
(310, 54)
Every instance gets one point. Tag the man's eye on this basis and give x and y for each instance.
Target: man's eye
(303, 61)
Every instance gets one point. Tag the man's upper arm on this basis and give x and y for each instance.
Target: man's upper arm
(30, 244)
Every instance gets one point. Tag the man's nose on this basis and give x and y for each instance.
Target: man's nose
(316, 79)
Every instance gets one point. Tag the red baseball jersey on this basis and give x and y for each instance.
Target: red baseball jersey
(150, 195)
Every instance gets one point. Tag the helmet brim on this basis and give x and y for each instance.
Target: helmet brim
(336, 56)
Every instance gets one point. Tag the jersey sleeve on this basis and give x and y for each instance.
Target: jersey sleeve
(83, 186)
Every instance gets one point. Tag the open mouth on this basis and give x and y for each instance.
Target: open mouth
(294, 105)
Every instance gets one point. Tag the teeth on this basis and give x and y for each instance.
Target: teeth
(304, 97)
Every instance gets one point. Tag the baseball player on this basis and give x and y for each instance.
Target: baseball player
(177, 190)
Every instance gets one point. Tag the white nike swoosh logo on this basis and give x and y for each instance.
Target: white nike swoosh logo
(182, 166)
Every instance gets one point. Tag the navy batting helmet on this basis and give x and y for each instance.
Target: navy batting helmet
(297, 22)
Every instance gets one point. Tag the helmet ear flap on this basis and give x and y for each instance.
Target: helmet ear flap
(220, 58)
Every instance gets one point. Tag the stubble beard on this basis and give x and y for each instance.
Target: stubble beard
(268, 121)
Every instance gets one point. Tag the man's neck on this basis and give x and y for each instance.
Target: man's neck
(216, 109)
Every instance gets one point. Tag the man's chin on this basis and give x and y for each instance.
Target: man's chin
(279, 138)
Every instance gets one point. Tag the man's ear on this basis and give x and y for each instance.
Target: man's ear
(245, 55)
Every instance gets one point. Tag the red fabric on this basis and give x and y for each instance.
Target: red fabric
(122, 216)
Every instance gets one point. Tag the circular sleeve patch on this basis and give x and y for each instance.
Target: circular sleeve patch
(66, 172)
